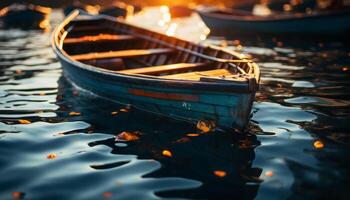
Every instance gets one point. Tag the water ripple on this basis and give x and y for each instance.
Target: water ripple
(58, 142)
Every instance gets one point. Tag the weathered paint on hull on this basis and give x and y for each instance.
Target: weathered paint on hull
(322, 25)
(227, 110)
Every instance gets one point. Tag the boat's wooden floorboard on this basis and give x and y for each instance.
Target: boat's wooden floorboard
(122, 54)
(197, 75)
(99, 38)
(164, 68)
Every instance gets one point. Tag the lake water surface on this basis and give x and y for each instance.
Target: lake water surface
(297, 144)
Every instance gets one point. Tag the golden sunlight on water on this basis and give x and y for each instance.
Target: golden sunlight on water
(159, 19)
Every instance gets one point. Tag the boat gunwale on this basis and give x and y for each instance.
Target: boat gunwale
(232, 87)
(230, 15)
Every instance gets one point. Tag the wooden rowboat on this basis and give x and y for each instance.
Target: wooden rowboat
(25, 16)
(155, 72)
(241, 21)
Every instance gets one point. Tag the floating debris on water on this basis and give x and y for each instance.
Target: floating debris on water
(17, 195)
(192, 134)
(124, 110)
(167, 153)
(205, 126)
(74, 113)
(114, 113)
(127, 136)
(24, 121)
(51, 156)
(220, 173)
(183, 140)
(107, 195)
(318, 144)
(269, 173)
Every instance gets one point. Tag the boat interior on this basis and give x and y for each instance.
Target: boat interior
(121, 48)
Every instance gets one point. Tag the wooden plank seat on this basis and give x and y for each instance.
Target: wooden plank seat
(121, 54)
(198, 74)
(109, 64)
(155, 70)
(99, 38)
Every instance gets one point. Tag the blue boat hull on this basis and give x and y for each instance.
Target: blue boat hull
(226, 110)
(332, 24)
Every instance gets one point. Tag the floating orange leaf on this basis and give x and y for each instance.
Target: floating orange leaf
(107, 195)
(220, 173)
(114, 113)
(127, 136)
(42, 94)
(192, 134)
(17, 195)
(269, 173)
(18, 71)
(124, 110)
(51, 156)
(74, 113)
(205, 126)
(167, 153)
(318, 144)
(184, 139)
(24, 121)
(344, 69)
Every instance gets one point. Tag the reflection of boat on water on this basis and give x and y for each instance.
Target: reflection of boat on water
(25, 16)
(199, 157)
(331, 22)
(155, 72)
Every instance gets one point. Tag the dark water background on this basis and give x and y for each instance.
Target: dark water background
(303, 99)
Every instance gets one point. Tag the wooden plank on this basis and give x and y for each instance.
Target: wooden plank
(197, 75)
(164, 68)
(99, 38)
(109, 64)
(223, 79)
(121, 54)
